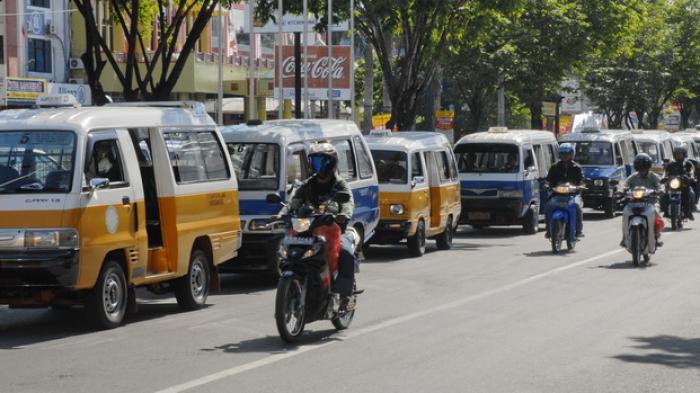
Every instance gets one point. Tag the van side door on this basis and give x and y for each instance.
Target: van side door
(530, 171)
(111, 194)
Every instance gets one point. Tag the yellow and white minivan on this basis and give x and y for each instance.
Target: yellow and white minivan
(418, 189)
(96, 201)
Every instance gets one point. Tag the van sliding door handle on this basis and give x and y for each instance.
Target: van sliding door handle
(126, 201)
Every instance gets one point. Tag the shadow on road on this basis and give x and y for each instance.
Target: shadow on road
(274, 344)
(625, 265)
(489, 233)
(670, 351)
(246, 283)
(596, 216)
(545, 253)
(392, 253)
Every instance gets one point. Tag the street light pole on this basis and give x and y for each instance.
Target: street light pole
(220, 92)
(330, 59)
(252, 104)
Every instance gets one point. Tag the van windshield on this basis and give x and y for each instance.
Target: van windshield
(36, 161)
(256, 165)
(391, 166)
(487, 158)
(594, 153)
(649, 148)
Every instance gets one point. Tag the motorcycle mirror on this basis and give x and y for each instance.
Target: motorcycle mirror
(341, 197)
(273, 199)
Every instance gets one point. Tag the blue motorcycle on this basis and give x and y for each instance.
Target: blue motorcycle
(562, 220)
(674, 190)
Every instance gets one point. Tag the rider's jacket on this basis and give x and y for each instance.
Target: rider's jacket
(651, 181)
(565, 172)
(314, 193)
(680, 168)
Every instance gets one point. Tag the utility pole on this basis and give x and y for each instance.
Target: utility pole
(501, 121)
(220, 90)
(330, 60)
(252, 104)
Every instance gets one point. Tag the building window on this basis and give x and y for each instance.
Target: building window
(39, 55)
(2, 50)
(41, 3)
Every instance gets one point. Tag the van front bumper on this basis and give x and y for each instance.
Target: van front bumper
(391, 232)
(43, 269)
(258, 252)
(492, 211)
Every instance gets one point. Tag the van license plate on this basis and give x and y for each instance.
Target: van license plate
(479, 215)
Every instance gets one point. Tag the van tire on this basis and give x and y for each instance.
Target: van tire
(416, 243)
(609, 208)
(192, 290)
(106, 303)
(532, 221)
(444, 240)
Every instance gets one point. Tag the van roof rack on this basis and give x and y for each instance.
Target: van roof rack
(498, 130)
(197, 107)
(57, 101)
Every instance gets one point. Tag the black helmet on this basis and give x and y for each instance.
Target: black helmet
(323, 158)
(642, 161)
(680, 150)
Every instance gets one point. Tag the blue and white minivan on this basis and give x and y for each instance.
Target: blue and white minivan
(271, 157)
(501, 174)
(607, 158)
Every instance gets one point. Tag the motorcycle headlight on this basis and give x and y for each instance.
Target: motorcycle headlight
(675, 184)
(396, 209)
(301, 224)
(510, 194)
(561, 189)
(599, 182)
(638, 194)
(51, 239)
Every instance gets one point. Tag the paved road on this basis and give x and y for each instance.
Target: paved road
(498, 313)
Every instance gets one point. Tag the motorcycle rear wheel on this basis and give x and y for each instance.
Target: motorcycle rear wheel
(289, 310)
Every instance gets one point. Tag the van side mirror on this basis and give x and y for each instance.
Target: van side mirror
(98, 182)
(273, 199)
(614, 182)
(341, 197)
(416, 180)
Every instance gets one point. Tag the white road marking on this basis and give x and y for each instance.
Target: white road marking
(274, 358)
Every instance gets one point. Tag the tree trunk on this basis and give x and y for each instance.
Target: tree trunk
(536, 115)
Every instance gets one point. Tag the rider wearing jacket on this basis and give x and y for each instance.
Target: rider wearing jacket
(566, 170)
(681, 167)
(644, 178)
(320, 188)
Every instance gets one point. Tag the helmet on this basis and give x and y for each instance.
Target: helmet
(323, 158)
(680, 150)
(566, 148)
(642, 161)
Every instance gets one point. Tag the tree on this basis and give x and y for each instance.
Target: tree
(685, 30)
(162, 65)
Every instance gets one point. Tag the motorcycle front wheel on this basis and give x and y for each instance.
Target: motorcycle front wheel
(343, 320)
(635, 246)
(289, 309)
(557, 236)
(676, 220)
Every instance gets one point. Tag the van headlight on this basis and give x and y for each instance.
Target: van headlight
(51, 239)
(301, 224)
(599, 182)
(397, 209)
(510, 194)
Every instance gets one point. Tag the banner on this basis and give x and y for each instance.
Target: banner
(25, 91)
(379, 121)
(445, 123)
(316, 68)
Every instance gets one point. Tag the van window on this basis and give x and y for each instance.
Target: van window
(392, 167)
(295, 167)
(650, 148)
(346, 159)
(444, 167)
(529, 160)
(256, 165)
(105, 162)
(196, 156)
(36, 161)
(618, 155)
(627, 154)
(487, 157)
(363, 160)
(454, 174)
(416, 166)
(593, 153)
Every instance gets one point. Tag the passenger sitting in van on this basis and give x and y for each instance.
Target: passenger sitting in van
(467, 162)
(511, 164)
(102, 164)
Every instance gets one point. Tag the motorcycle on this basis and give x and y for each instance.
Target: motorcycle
(674, 190)
(562, 221)
(309, 256)
(639, 219)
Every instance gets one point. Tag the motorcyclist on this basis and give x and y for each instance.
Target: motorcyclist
(566, 170)
(646, 179)
(681, 167)
(323, 184)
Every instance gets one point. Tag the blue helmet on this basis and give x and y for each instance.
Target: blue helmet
(566, 148)
(323, 158)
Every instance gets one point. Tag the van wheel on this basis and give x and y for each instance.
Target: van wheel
(609, 208)
(106, 303)
(191, 291)
(444, 240)
(532, 221)
(416, 243)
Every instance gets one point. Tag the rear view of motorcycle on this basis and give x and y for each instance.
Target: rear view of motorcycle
(309, 262)
(638, 221)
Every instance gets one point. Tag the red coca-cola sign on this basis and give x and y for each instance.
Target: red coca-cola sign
(317, 67)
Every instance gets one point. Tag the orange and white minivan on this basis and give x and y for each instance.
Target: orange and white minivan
(96, 201)
(418, 189)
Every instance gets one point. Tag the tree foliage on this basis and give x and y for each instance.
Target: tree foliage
(162, 64)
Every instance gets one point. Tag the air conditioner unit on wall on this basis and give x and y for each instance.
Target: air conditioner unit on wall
(76, 63)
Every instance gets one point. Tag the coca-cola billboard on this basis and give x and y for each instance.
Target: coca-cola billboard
(316, 68)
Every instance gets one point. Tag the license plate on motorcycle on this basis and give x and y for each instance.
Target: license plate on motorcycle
(302, 241)
(479, 215)
(637, 205)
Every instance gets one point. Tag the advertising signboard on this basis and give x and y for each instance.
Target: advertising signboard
(25, 91)
(316, 69)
